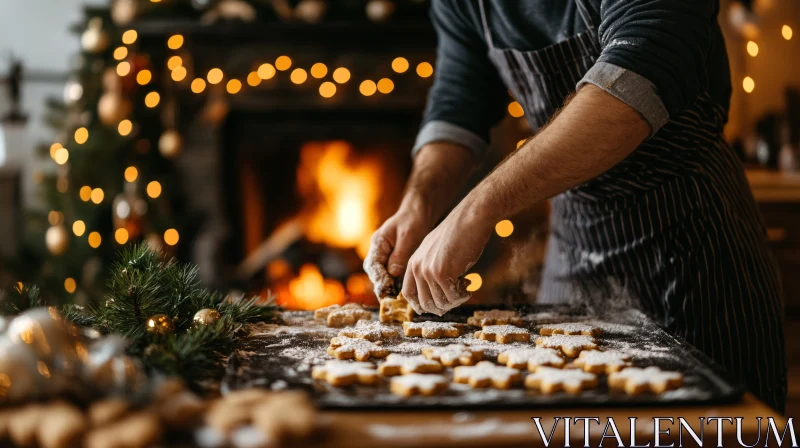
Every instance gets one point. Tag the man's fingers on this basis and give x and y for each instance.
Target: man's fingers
(375, 265)
(425, 298)
(440, 298)
(403, 249)
(410, 292)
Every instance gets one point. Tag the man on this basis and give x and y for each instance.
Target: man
(647, 200)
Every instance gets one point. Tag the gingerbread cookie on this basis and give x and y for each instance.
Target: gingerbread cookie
(503, 334)
(371, 331)
(531, 358)
(396, 309)
(634, 380)
(494, 317)
(595, 361)
(570, 328)
(433, 330)
(570, 345)
(418, 384)
(340, 316)
(550, 380)
(487, 374)
(343, 347)
(286, 417)
(454, 355)
(344, 373)
(404, 365)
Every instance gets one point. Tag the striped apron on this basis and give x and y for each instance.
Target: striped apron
(673, 229)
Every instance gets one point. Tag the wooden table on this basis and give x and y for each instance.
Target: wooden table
(516, 428)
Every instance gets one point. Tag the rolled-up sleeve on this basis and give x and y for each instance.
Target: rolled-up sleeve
(654, 54)
(467, 96)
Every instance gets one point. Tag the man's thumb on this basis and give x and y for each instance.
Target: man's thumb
(399, 259)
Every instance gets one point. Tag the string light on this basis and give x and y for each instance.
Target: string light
(97, 195)
(198, 85)
(171, 237)
(385, 85)
(214, 76)
(400, 65)
(69, 285)
(752, 48)
(53, 148)
(253, 79)
(319, 70)
(143, 77)
(125, 127)
(154, 189)
(748, 84)
(121, 236)
(283, 63)
(367, 88)
(234, 86)
(327, 89)
(504, 228)
(78, 228)
(81, 135)
(131, 174)
(175, 42)
(174, 62)
(424, 70)
(85, 193)
(62, 155)
(95, 239)
(266, 71)
(55, 218)
(475, 281)
(152, 99)
(298, 76)
(123, 68)
(341, 75)
(515, 109)
(62, 183)
(120, 53)
(178, 74)
(787, 32)
(129, 37)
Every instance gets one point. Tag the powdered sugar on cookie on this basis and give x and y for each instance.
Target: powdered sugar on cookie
(343, 373)
(550, 380)
(595, 361)
(371, 331)
(404, 365)
(454, 354)
(416, 383)
(531, 358)
(433, 330)
(503, 334)
(486, 374)
(570, 345)
(571, 328)
(343, 347)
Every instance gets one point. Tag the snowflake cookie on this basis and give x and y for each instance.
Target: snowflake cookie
(345, 373)
(340, 316)
(570, 328)
(418, 384)
(503, 334)
(433, 330)
(371, 331)
(550, 380)
(634, 380)
(343, 347)
(396, 309)
(494, 317)
(487, 374)
(454, 355)
(570, 345)
(595, 361)
(403, 365)
(531, 358)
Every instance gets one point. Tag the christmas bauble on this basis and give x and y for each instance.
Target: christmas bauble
(113, 108)
(73, 91)
(20, 379)
(52, 339)
(205, 317)
(95, 39)
(160, 325)
(57, 239)
(311, 11)
(170, 144)
(380, 10)
(111, 81)
(124, 11)
(110, 368)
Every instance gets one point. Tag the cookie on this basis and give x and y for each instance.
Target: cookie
(418, 384)
(454, 355)
(570, 328)
(340, 316)
(286, 417)
(371, 331)
(343, 347)
(395, 310)
(433, 330)
(531, 358)
(61, 426)
(634, 380)
(595, 361)
(487, 374)
(570, 345)
(344, 373)
(503, 334)
(550, 380)
(495, 317)
(404, 365)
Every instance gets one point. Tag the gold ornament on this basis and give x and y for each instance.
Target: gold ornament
(170, 144)
(95, 39)
(113, 108)
(160, 325)
(311, 11)
(380, 10)
(205, 317)
(124, 11)
(57, 239)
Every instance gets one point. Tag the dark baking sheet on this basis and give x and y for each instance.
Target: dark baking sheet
(281, 357)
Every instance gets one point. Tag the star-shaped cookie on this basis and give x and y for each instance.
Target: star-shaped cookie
(634, 380)
(454, 355)
(487, 374)
(343, 347)
(503, 334)
(531, 358)
(549, 380)
(345, 373)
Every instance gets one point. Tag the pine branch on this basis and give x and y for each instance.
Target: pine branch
(19, 300)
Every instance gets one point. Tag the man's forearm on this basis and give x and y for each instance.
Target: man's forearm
(593, 132)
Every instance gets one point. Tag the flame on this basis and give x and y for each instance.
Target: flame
(310, 290)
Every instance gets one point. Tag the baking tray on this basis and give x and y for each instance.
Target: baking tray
(281, 357)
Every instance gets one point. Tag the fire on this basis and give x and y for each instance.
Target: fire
(342, 191)
(310, 290)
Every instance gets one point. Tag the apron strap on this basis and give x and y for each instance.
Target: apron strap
(588, 20)
(486, 32)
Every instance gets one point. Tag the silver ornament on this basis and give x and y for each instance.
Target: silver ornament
(110, 369)
(22, 377)
(52, 338)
